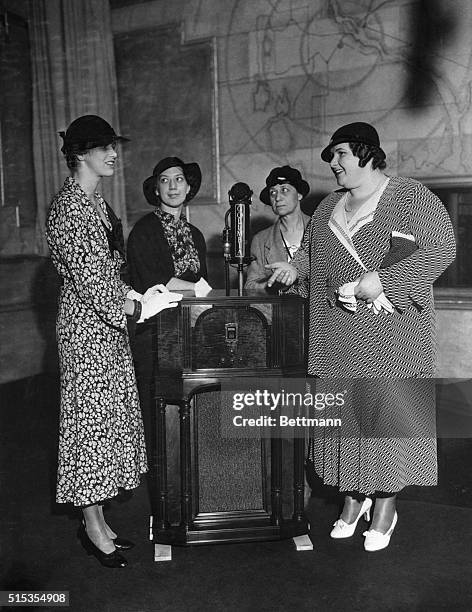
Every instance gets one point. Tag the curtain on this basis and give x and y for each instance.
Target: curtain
(73, 69)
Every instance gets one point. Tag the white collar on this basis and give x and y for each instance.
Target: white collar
(345, 230)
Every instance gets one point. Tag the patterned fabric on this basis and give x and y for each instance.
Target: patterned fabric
(345, 229)
(149, 257)
(387, 439)
(362, 345)
(182, 248)
(101, 441)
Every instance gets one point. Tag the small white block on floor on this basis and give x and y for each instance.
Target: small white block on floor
(162, 552)
(303, 542)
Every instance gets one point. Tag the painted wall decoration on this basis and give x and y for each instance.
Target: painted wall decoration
(404, 66)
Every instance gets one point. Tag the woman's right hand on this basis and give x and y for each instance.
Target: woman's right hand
(152, 291)
(283, 273)
(159, 301)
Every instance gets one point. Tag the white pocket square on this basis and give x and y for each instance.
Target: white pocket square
(348, 299)
(401, 235)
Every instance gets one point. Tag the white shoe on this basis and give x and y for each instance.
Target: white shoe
(375, 540)
(346, 530)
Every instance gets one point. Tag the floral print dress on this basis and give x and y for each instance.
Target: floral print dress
(101, 439)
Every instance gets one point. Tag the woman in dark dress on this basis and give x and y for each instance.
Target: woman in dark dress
(101, 442)
(164, 248)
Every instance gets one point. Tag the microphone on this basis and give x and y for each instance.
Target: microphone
(236, 236)
(240, 191)
(240, 196)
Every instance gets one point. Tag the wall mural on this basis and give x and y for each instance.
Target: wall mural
(404, 66)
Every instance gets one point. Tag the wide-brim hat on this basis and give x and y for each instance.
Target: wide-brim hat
(192, 173)
(361, 132)
(88, 132)
(284, 174)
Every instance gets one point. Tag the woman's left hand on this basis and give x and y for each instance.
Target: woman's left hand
(202, 288)
(369, 287)
(282, 272)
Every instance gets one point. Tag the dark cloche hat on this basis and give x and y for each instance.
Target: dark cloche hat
(88, 132)
(192, 173)
(284, 174)
(353, 132)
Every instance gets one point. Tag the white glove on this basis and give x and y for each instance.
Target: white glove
(151, 291)
(202, 288)
(381, 302)
(347, 297)
(349, 301)
(133, 295)
(158, 301)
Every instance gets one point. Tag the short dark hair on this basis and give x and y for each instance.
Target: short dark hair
(71, 152)
(72, 160)
(366, 152)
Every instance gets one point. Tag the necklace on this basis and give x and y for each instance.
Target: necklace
(291, 249)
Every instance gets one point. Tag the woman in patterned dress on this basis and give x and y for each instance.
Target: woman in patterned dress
(101, 445)
(373, 323)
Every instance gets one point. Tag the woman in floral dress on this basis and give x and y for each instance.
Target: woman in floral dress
(101, 444)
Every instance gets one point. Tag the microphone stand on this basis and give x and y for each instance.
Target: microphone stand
(240, 278)
(241, 265)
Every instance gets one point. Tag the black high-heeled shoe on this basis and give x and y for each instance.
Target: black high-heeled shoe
(122, 544)
(113, 559)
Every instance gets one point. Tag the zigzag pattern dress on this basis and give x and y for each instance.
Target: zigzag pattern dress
(383, 363)
(101, 439)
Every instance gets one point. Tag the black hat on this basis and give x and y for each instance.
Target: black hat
(192, 173)
(284, 174)
(353, 132)
(88, 132)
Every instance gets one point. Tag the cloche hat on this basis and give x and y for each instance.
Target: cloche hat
(88, 132)
(192, 173)
(284, 174)
(353, 132)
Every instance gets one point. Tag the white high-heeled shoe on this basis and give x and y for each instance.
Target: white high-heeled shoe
(375, 540)
(346, 530)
